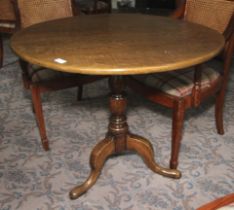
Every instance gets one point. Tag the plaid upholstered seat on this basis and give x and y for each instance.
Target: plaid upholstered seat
(180, 83)
(204, 11)
(184, 89)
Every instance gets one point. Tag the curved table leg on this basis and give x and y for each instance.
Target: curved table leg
(144, 148)
(100, 153)
(118, 140)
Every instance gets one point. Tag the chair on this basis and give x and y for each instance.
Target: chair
(187, 88)
(39, 79)
(94, 6)
(224, 203)
(7, 23)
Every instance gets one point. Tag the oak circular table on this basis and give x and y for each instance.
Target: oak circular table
(117, 45)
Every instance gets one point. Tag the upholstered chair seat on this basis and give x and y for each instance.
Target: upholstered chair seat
(183, 89)
(180, 83)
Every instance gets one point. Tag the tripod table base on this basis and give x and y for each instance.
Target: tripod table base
(119, 140)
(106, 148)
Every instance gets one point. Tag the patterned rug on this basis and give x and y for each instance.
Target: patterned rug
(31, 178)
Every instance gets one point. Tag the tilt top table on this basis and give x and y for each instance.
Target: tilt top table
(117, 45)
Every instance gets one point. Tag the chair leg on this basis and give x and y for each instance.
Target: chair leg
(80, 92)
(24, 67)
(1, 51)
(219, 104)
(37, 105)
(177, 129)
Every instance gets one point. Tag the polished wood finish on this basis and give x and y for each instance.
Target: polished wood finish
(180, 104)
(119, 140)
(117, 45)
(218, 203)
(37, 108)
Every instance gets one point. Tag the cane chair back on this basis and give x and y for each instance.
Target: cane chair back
(7, 11)
(36, 11)
(214, 14)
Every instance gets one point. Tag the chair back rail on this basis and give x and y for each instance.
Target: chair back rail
(229, 51)
(222, 19)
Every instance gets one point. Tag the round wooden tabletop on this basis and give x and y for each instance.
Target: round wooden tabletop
(116, 44)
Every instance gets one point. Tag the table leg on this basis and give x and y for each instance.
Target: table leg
(119, 139)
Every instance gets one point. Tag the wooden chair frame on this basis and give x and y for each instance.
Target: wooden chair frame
(180, 104)
(37, 88)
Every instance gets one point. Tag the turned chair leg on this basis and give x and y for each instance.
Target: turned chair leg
(1, 51)
(37, 107)
(219, 104)
(24, 67)
(79, 92)
(177, 129)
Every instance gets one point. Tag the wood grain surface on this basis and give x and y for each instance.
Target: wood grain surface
(116, 44)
